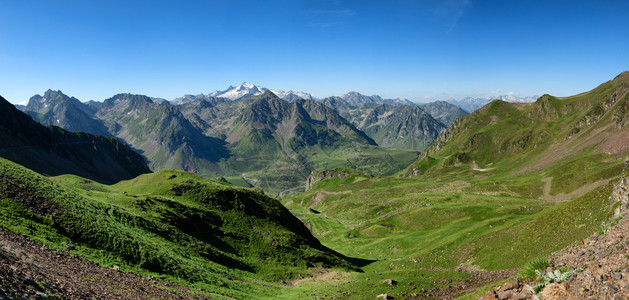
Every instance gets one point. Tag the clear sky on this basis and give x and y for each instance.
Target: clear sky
(415, 49)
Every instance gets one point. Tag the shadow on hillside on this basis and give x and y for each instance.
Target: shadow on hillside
(359, 262)
(355, 262)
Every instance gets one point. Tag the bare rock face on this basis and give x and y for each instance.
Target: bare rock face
(555, 291)
(513, 289)
(621, 192)
(412, 171)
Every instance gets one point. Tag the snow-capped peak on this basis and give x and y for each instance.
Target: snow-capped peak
(249, 89)
(292, 96)
(241, 91)
(246, 85)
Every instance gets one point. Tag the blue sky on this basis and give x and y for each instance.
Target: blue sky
(415, 49)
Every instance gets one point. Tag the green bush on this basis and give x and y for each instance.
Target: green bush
(534, 266)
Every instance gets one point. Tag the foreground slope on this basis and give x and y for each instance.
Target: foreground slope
(215, 238)
(55, 151)
(30, 270)
(505, 185)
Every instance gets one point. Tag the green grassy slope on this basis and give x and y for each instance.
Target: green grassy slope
(453, 224)
(522, 138)
(505, 185)
(221, 240)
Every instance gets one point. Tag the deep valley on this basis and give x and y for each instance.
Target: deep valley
(251, 193)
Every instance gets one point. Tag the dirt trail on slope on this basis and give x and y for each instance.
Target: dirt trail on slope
(30, 270)
(569, 196)
(599, 264)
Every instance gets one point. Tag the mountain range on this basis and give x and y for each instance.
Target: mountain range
(249, 133)
(512, 200)
(52, 150)
(248, 90)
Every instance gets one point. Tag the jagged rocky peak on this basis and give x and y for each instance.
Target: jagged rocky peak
(443, 111)
(133, 99)
(358, 99)
(51, 98)
(93, 103)
(54, 151)
(355, 98)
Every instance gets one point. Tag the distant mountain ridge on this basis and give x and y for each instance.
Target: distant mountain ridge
(56, 108)
(356, 99)
(402, 127)
(164, 135)
(275, 135)
(470, 104)
(443, 111)
(249, 90)
(396, 123)
(262, 136)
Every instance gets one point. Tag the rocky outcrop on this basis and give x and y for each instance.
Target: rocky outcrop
(318, 176)
(513, 289)
(413, 170)
(620, 194)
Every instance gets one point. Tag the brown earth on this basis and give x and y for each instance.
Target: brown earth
(29, 270)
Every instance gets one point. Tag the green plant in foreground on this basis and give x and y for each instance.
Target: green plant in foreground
(535, 266)
(545, 279)
(605, 228)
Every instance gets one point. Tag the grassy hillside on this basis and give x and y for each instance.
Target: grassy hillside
(566, 133)
(221, 240)
(449, 227)
(505, 185)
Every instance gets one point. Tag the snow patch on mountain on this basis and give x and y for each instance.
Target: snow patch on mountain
(249, 90)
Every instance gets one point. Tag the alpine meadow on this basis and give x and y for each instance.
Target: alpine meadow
(413, 157)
